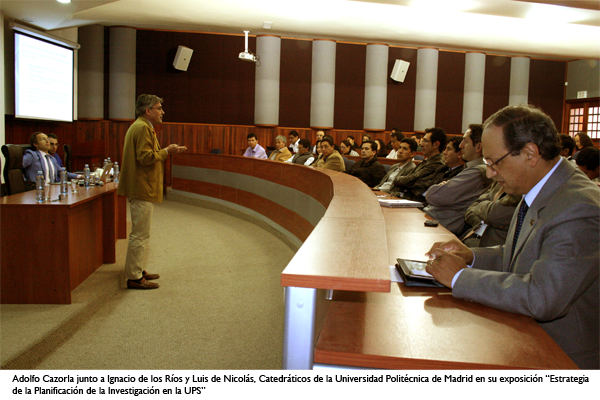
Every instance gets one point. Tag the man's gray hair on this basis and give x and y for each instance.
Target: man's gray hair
(282, 138)
(145, 101)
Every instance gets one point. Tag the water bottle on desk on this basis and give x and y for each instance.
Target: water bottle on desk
(116, 173)
(64, 188)
(86, 176)
(39, 187)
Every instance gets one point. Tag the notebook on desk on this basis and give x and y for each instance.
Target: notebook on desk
(398, 203)
(413, 273)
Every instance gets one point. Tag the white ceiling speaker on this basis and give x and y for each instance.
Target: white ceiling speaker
(182, 58)
(400, 70)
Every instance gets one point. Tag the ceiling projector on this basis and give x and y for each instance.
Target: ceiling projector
(246, 55)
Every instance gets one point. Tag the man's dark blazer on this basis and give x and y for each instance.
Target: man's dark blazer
(553, 274)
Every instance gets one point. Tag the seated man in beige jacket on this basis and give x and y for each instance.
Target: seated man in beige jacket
(330, 158)
(281, 153)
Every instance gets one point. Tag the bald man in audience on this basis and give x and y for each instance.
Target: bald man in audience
(320, 135)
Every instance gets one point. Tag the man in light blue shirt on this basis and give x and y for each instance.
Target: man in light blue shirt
(254, 150)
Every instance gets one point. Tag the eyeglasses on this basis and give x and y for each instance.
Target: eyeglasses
(491, 164)
(156, 108)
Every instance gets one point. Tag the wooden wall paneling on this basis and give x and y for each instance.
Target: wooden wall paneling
(547, 87)
(350, 69)
(497, 84)
(295, 82)
(450, 91)
(217, 88)
(401, 95)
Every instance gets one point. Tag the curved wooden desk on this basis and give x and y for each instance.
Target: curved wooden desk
(349, 243)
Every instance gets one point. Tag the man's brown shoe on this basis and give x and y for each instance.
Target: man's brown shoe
(149, 277)
(142, 284)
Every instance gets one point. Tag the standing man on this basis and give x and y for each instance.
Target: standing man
(368, 169)
(548, 267)
(254, 149)
(142, 182)
(53, 147)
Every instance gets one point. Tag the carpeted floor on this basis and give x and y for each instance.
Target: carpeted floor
(219, 305)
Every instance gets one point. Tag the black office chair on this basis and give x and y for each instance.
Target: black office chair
(387, 167)
(215, 151)
(13, 175)
(68, 157)
(348, 163)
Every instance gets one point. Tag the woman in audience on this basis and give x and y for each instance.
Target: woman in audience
(347, 150)
(366, 137)
(319, 152)
(582, 140)
(381, 150)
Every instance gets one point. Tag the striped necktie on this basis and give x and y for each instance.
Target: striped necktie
(51, 173)
(520, 217)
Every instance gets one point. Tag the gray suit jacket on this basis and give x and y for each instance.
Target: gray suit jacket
(553, 274)
(408, 168)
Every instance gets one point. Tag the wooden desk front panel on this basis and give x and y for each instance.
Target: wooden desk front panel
(429, 329)
(48, 249)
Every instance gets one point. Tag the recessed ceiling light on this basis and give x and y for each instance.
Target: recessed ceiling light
(64, 1)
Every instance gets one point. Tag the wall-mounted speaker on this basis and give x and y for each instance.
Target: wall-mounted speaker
(400, 70)
(182, 58)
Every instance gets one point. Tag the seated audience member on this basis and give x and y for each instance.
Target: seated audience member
(412, 186)
(281, 153)
(453, 165)
(582, 140)
(418, 137)
(395, 144)
(406, 152)
(489, 217)
(548, 267)
(303, 156)
(353, 143)
(39, 159)
(330, 158)
(366, 137)
(294, 138)
(368, 169)
(448, 201)
(398, 134)
(53, 147)
(319, 154)
(567, 147)
(347, 150)
(588, 161)
(381, 150)
(254, 149)
(320, 135)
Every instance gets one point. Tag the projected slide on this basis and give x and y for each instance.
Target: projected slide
(43, 80)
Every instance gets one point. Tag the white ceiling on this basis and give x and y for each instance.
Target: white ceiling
(494, 26)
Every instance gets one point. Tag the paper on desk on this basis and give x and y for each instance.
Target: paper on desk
(395, 275)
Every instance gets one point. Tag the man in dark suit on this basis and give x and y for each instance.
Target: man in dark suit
(368, 169)
(548, 266)
(40, 159)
